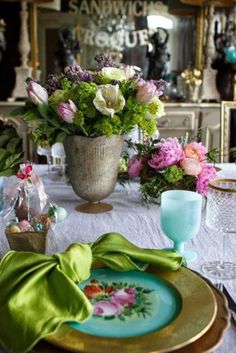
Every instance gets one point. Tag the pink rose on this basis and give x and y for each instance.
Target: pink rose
(135, 165)
(107, 309)
(124, 296)
(195, 150)
(191, 166)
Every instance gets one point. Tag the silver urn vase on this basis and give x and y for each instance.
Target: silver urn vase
(93, 168)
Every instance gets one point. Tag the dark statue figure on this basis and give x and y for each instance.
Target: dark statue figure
(224, 69)
(158, 56)
(68, 47)
(2, 38)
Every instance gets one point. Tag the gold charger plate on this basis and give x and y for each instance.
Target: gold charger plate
(198, 312)
(205, 344)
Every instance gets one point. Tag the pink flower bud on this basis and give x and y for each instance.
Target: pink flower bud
(67, 111)
(146, 91)
(36, 93)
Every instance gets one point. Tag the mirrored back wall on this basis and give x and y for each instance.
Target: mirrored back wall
(132, 32)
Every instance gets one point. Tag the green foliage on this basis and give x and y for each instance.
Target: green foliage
(90, 113)
(11, 150)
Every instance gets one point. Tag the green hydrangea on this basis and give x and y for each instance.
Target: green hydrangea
(173, 174)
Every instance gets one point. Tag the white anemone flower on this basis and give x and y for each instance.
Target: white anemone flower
(109, 99)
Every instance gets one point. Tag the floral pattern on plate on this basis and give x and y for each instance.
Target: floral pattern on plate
(118, 300)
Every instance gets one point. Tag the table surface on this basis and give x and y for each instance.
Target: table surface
(138, 223)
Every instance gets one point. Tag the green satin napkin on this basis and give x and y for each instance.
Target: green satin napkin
(39, 292)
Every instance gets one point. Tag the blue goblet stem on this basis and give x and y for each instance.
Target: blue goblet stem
(179, 246)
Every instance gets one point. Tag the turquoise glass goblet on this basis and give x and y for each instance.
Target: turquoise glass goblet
(181, 218)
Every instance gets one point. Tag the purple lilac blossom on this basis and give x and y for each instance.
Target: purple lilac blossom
(208, 173)
(103, 61)
(160, 86)
(52, 83)
(77, 74)
(168, 152)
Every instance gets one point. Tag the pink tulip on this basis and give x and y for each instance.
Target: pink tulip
(146, 91)
(67, 111)
(36, 93)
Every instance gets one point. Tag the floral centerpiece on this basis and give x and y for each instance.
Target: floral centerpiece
(90, 111)
(109, 100)
(171, 164)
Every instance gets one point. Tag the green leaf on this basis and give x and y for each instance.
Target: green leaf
(14, 144)
(61, 137)
(3, 154)
(3, 139)
(13, 160)
(109, 318)
(18, 111)
(7, 172)
(8, 131)
(44, 110)
(30, 115)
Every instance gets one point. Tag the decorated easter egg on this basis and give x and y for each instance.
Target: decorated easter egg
(46, 221)
(29, 228)
(24, 224)
(38, 227)
(60, 214)
(14, 229)
(13, 222)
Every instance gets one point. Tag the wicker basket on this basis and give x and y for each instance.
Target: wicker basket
(28, 241)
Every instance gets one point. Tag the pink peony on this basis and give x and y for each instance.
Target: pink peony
(191, 166)
(208, 173)
(146, 91)
(107, 309)
(124, 296)
(168, 152)
(195, 150)
(135, 165)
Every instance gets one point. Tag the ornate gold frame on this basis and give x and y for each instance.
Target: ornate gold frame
(200, 28)
(226, 107)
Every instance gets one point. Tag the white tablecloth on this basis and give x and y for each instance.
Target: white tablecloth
(139, 224)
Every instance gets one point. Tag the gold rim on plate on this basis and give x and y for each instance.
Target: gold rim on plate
(198, 312)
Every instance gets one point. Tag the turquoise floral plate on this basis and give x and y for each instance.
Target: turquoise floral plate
(155, 311)
(137, 300)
